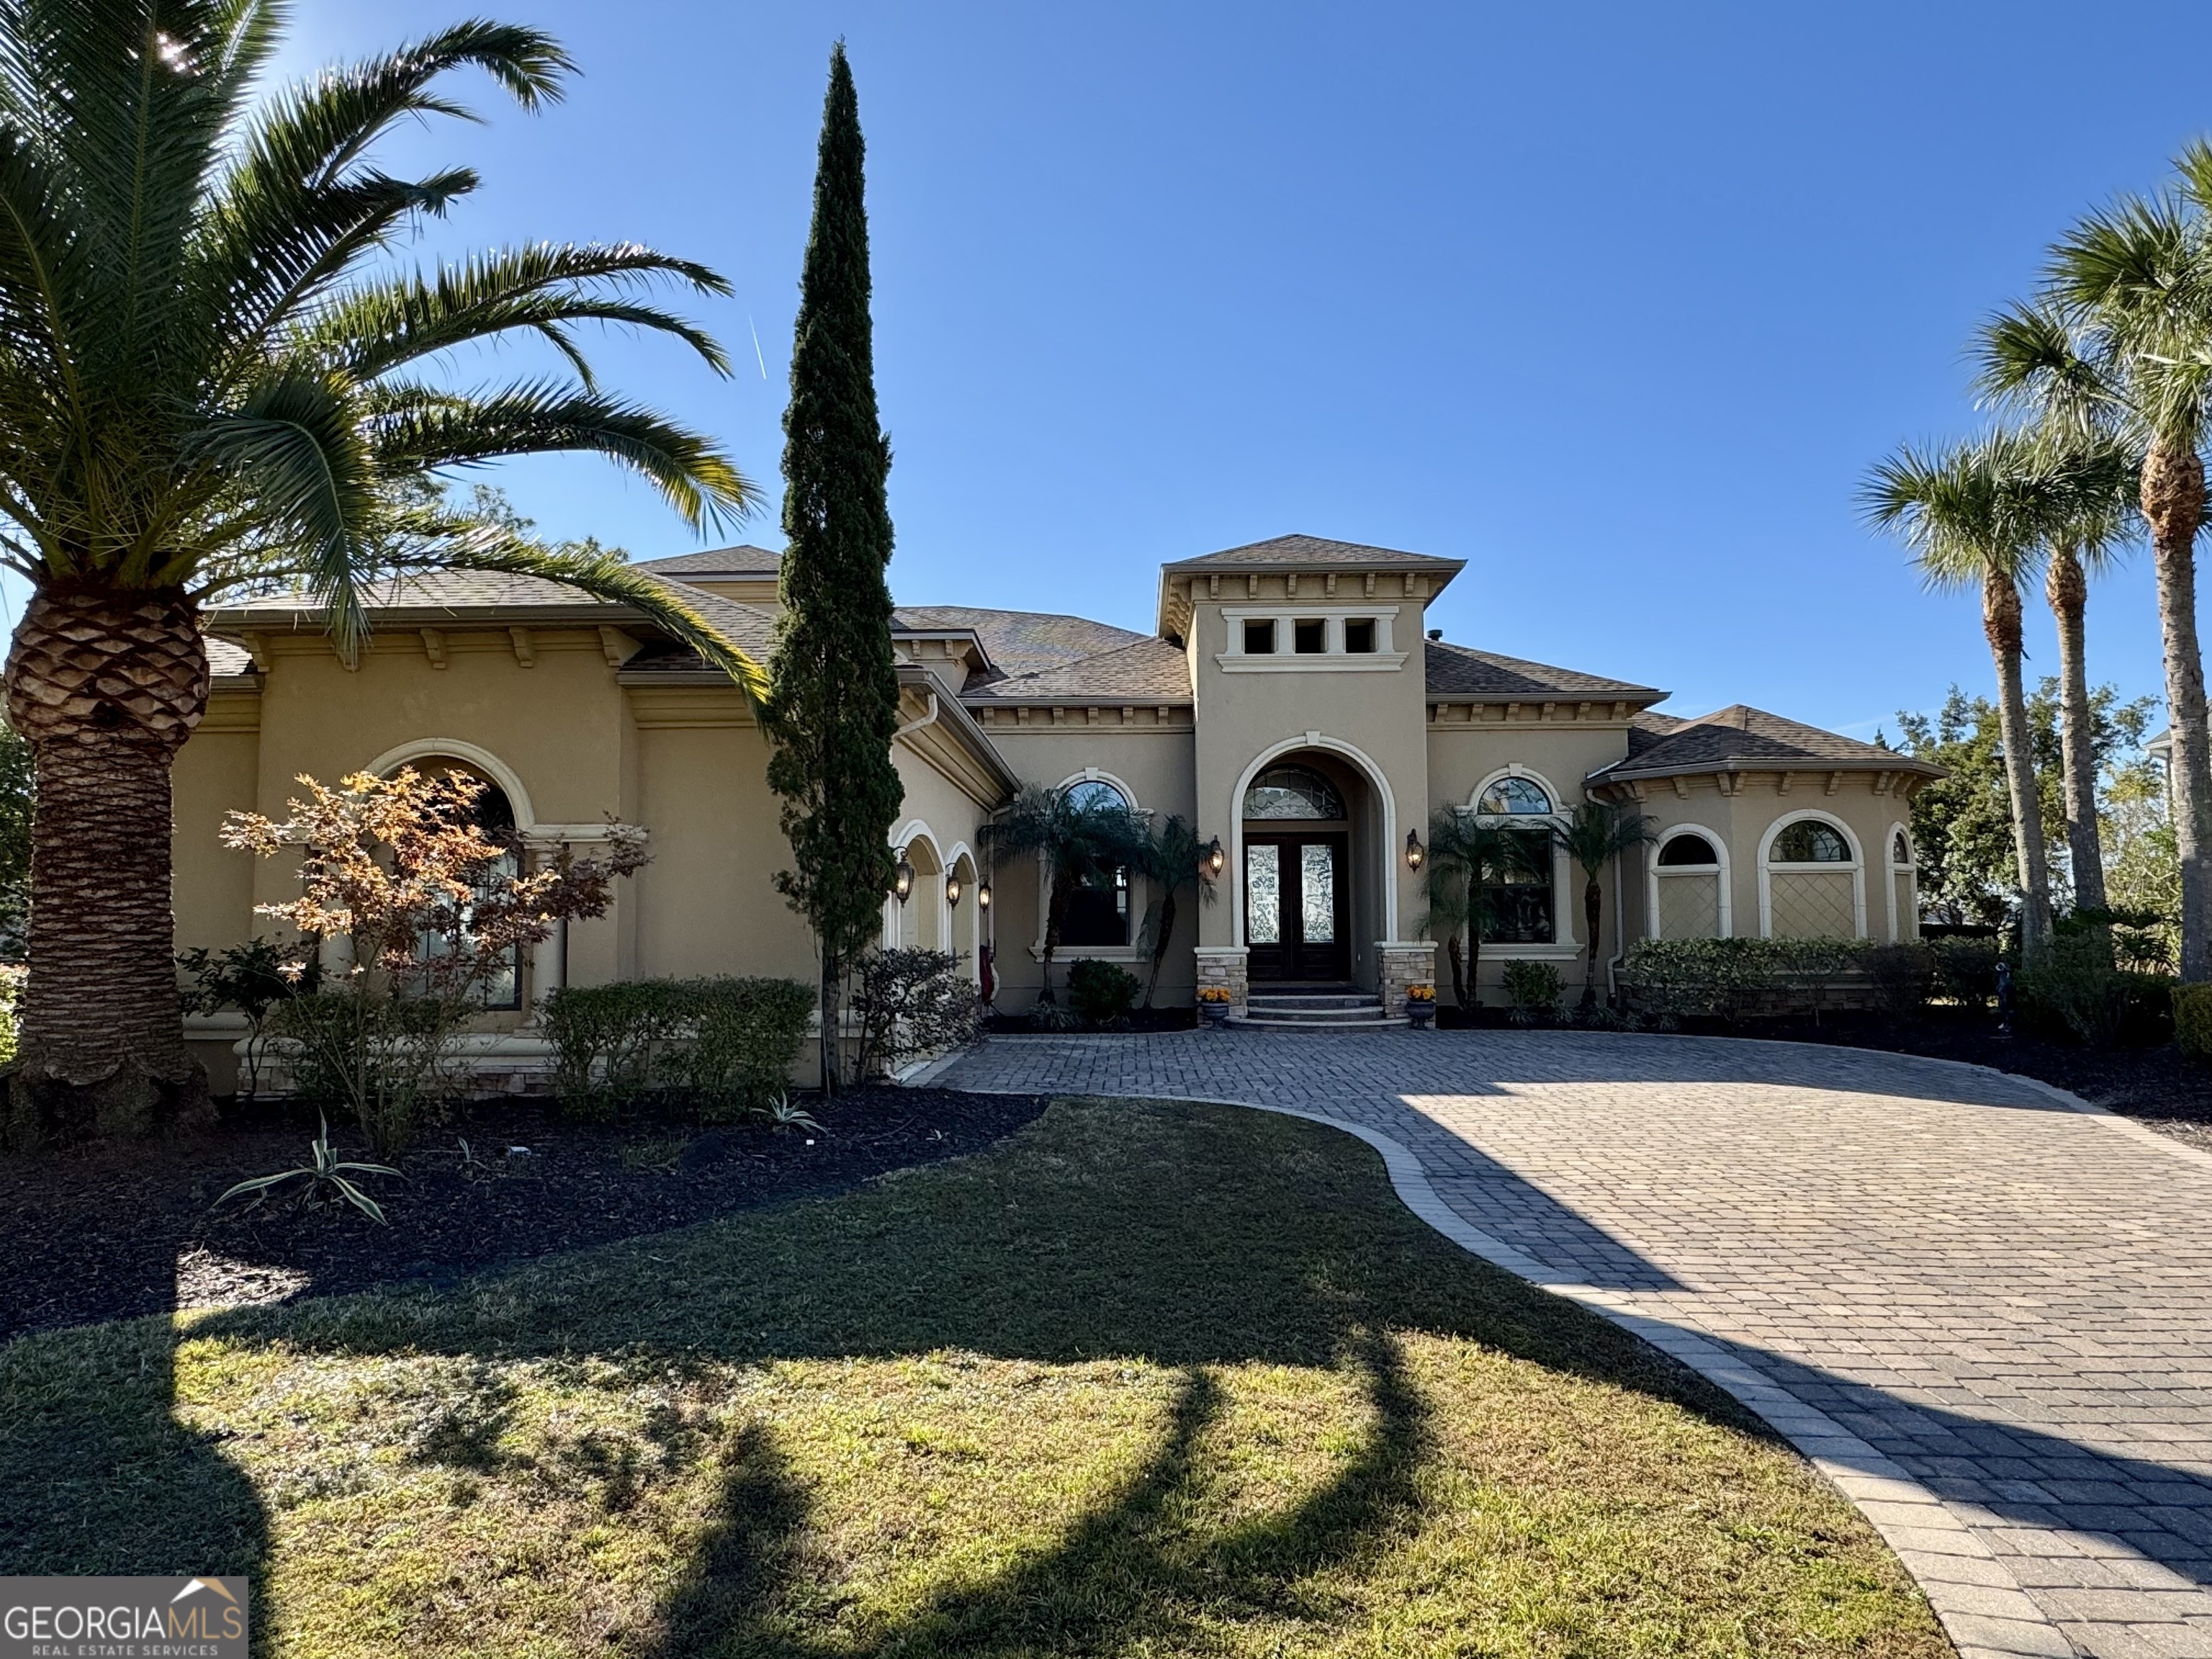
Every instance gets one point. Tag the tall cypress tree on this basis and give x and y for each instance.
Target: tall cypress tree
(834, 707)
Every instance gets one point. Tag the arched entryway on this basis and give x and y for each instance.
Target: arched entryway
(1309, 889)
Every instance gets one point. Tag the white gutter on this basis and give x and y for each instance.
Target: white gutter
(930, 719)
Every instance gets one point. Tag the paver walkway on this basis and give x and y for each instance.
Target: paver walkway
(1987, 1314)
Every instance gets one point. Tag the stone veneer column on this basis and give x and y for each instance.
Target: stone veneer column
(1224, 964)
(1403, 963)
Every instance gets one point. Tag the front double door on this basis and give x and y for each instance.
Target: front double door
(1296, 912)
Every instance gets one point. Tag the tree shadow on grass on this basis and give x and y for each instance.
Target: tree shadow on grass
(1185, 1238)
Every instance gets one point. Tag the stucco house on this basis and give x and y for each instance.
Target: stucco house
(1290, 701)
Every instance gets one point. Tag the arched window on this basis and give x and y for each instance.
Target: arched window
(493, 814)
(1092, 794)
(1098, 910)
(1900, 851)
(1808, 842)
(1293, 791)
(1689, 850)
(1515, 797)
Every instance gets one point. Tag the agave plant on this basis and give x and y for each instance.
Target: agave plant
(207, 383)
(328, 1181)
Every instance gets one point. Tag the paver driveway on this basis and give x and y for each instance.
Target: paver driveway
(1986, 1314)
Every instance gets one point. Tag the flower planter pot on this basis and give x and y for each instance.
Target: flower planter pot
(1215, 1014)
(1423, 1014)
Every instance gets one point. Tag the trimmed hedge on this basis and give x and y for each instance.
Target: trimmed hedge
(724, 1044)
(1737, 978)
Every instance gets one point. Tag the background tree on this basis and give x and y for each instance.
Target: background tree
(1962, 828)
(1464, 852)
(18, 794)
(1077, 843)
(1170, 858)
(204, 388)
(2131, 286)
(1978, 515)
(835, 711)
(1596, 833)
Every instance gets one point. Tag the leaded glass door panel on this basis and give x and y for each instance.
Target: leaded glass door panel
(1297, 909)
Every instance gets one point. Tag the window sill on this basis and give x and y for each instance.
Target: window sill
(1291, 662)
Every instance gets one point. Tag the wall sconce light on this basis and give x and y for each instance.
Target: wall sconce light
(984, 895)
(1212, 860)
(1414, 852)
(952, 891)
(903, 878)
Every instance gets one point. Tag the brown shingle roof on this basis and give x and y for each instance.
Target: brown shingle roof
(1741, 736)
(744, 560)
(450, 594)
(1019, 641)
(1282, 552)
(1458, 670)
(226, 661)
(1145, 671)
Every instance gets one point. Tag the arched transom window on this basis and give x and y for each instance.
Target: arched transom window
(1689, 849)
(1095, 794)
(1293, 791)
(1515, 797)
(1808, 842)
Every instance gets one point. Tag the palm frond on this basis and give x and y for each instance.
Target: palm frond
(1979, 511)
(546, 288)
(410, 435)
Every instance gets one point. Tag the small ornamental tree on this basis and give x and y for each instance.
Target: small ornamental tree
(833, 711)
(430, 909)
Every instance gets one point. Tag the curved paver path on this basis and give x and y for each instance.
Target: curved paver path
(1984, 1310)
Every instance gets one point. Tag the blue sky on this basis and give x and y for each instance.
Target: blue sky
(1615, 302)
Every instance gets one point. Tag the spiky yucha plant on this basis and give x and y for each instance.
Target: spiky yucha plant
(206, 384)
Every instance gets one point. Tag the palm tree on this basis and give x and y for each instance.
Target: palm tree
(1170, 858)
(1594, 835)
(1078, 842)
(2132, 285)
(2028, 356)
(1978, 515)
(204, 386)
(1463, 850)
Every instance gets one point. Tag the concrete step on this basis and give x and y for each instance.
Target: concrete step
(1373, 1021)
(1268, 1013)
(1325, 1000)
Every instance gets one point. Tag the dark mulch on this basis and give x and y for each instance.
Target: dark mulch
(113, 1231)
(1138, 1020)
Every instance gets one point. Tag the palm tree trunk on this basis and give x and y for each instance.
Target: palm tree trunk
(2067, 590)
(1055, 911)
(106, 686)
(1161, 941)
(1458, 971)
(2001, 622)
(2173, 505)
(1593, 903)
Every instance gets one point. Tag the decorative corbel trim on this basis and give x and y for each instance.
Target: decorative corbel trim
(1835, 782)
(1367, 586)
(434, 647)
(619, 646)
(525, 652)
(257, 647)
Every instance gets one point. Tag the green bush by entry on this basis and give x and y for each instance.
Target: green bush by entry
(2076, 995)
(1100, 992)
(725, 1045)
(1533, 988)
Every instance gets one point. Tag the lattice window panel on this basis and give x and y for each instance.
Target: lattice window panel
(1908, 908)
(1812, 905)
(1689, 907)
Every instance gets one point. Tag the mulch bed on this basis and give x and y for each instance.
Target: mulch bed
(113, 1231)
(1138, 1020)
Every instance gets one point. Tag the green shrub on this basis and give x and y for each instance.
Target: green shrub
(1965, 969)
(911, 1003)
(727, 1045)
(2076, 994)
(1904, 975)
(1100, 992)
(389, 1062)
(2192, 1020)
(1703, 978)
(1533, 988)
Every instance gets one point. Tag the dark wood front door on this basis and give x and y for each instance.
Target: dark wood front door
(1297, 913)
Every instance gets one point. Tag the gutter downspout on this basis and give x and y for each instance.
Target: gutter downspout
(1620, 937)
(930, 719)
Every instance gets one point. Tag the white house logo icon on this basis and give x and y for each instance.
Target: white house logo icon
(194, 1585)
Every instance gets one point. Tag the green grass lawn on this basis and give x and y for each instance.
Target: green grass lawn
(1144, 1380)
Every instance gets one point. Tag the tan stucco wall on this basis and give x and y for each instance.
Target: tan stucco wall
(1371, 719)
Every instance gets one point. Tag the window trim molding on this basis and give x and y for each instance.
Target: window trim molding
(1910, 867)
(1563, 906)
(1653, 875)
(1767, 866)
(517, 798)
(1334, 659)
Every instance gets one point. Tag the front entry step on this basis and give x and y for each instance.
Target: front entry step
(1314, 1010)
